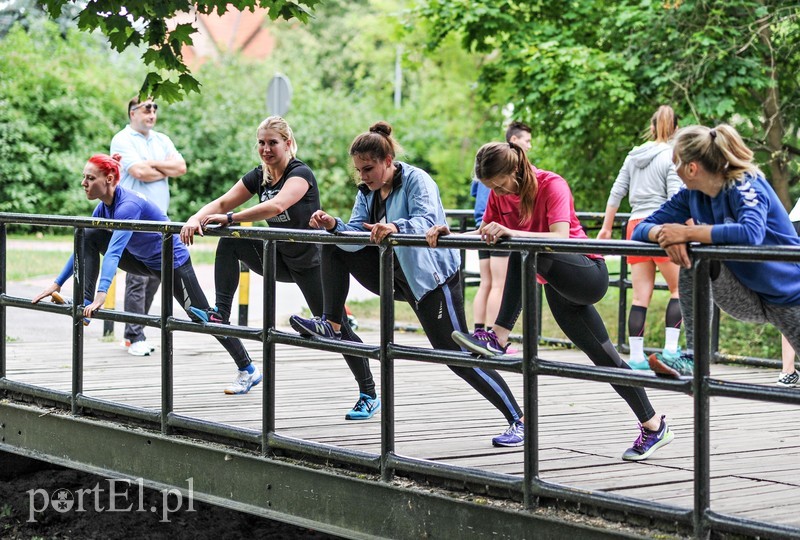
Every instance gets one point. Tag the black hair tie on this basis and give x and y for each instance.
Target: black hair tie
(713, 134)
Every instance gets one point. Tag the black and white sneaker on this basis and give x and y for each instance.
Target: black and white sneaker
(788, 380)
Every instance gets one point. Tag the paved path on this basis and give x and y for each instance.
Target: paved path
(26, 323)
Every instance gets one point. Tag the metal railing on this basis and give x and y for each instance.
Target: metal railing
(388, 463)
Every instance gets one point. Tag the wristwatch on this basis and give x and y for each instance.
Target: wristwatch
(230, 217)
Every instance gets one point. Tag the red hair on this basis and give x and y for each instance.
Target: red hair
(107, 164)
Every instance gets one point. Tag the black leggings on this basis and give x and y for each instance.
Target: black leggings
(251, 252)
(185, 287)
(440, 312)
(574, 284)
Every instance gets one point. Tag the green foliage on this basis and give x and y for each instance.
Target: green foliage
(588, 75)
(60, 101)
(343, 84)
(144, 24)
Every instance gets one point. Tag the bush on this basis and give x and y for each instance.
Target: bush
(60, 102)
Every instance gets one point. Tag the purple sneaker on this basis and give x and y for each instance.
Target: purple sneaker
(648, 442)
(315, 326)
(209, 315)
(513, 436)
(481, 342)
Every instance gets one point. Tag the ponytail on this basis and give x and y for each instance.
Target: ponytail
(508, 159)
(720, 150)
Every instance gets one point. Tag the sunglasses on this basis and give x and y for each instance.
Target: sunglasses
(147, 107)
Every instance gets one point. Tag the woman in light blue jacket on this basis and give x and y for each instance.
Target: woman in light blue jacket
(395, 197)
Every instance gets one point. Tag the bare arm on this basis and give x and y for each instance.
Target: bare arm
(608, 223)
(153, 170)
(235, 196)
(491, 232)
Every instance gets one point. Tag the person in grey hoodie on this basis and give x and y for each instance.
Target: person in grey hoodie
(649, 179)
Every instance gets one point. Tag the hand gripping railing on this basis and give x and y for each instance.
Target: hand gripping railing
(702, 387)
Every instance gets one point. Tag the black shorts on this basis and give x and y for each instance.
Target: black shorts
(486, 253)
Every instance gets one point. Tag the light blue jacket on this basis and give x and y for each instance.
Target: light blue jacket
(414, 207)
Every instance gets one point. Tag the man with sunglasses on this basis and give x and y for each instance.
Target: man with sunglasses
(149, 159)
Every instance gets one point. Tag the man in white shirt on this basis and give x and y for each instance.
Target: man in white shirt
(149, 159)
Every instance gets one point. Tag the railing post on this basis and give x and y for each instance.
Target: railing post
(387, 363)
(268, 346)
(531, 317)
(701, 301)
(622, 319)
(78, 273)
(715, 316)
(167, 287)
(3, 270)
(110, 303)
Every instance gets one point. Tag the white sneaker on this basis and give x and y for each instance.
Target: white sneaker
(244, 381)
(125, 344)
(140, 348)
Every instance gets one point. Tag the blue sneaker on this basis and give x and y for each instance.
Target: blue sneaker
(481, 342)
(244, 381)
(513, 436)
(364, 409)
(642, 364)
(208, 315)
(316, 326)
(677, 365)
(648, 442)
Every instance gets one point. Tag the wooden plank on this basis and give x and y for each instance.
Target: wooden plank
(583, 426)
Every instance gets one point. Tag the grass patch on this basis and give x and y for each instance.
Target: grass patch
(27, 264)
(23, 264)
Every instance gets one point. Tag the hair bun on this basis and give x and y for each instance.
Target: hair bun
(381, 127)
(117, 157)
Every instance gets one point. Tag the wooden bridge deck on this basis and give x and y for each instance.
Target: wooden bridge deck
(584, 426)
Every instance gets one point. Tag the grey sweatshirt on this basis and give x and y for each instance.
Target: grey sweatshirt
(649, 176)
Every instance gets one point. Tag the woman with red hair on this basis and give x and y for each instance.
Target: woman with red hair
(138, 253)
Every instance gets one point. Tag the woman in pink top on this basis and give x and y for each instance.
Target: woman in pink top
(532, 203)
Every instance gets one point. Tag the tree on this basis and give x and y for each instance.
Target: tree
(62, 100)
(144, 23)
(588, 74)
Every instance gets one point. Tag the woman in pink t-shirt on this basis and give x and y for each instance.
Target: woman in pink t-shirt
(531, 203)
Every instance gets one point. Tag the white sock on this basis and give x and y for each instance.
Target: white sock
(637, 347)
(671, 340)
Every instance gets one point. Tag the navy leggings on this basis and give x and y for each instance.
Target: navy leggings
(440, 312)
(574, 284)
(251, 252)
(185, 287)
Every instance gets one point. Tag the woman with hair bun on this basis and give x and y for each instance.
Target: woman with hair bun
(527, 202)
(648, 178)
(133, 251)
(731, 203)
(288, 195)
(395, 197)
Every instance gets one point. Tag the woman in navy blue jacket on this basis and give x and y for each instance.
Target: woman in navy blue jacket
(138, 253)
(730, 202)
(395, 197)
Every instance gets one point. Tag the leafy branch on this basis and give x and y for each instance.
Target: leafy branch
(146, 23)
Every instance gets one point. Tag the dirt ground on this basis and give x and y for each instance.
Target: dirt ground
(26, 514)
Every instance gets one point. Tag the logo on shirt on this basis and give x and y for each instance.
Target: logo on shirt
(749, 195)
(283, 217)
